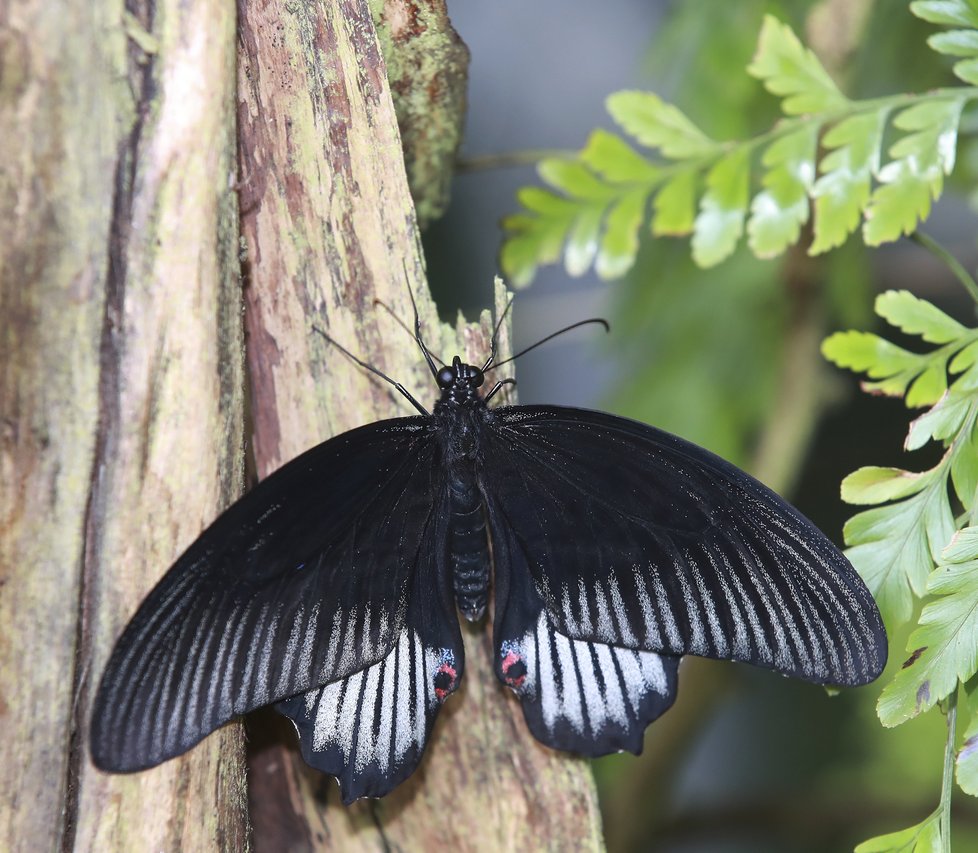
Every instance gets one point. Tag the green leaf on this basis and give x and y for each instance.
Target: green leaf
(893, 546)
(657, 124)
(967, 70)
(962, 548)
(934, 143)
(923, 837)
(533, 240)
(616, 161)
(869, 353)
(582, 241)
(914, 177)
(789, 69)
(539, 200)
(929, 387)
(955, 13)
(781, 208)
(843, 189)
(873, 485)
(966, 358)
(916, 316)
(955, 42)
(675, 205)
(967, 759)
(721, 218)
(618, 248)
(939, 423)
(945, 645)
(964, 467)
(574, 179)
(897, 206)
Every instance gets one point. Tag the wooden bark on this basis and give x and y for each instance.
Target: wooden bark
(121, 392)
(428, 72)
(329, 228)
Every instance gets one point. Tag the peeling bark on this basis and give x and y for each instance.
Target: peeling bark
(428, 71)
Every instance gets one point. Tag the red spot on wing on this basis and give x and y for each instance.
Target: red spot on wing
(445, 681)
(514, 669)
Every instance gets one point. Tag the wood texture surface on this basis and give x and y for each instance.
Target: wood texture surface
(121, 397)
(428, 72)
(329, 228)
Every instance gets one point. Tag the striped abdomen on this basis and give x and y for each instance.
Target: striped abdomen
(468, 547)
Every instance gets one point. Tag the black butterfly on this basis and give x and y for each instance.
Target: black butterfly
(331, 589)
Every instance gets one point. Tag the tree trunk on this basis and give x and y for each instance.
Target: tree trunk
(122, 386)
(330, 228)
(121, 394)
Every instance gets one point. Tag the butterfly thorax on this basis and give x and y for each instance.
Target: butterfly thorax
(460, 415)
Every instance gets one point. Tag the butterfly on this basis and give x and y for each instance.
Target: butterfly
(332, 589)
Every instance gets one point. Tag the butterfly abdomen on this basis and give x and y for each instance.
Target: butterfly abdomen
(468, 545)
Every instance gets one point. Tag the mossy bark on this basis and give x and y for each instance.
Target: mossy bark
(122, 386)
(428, 71)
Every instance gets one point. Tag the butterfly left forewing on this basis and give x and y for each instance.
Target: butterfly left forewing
(299, 583)
(637, 538)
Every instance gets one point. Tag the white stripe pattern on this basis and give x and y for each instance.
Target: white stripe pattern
(378, 717)
(756, 598)
(589, 686)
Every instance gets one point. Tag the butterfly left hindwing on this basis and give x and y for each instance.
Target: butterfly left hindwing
(370, 728)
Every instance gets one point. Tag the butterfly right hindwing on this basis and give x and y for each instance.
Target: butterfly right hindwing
(587, 697)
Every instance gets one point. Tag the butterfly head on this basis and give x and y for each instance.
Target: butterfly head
(459, 382)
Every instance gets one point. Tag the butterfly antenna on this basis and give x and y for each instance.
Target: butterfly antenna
(404, 391)
(404, 326)
(417, 332)
(494, 340)
(578, 324)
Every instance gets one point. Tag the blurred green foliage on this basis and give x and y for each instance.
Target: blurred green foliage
(596, 203)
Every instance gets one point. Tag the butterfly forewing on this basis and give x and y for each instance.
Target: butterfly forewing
(636, 538)
(302, 582)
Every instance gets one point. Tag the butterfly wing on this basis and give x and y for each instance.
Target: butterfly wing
(581, 695)
(369, 729)
(636, 538)
(302, 582)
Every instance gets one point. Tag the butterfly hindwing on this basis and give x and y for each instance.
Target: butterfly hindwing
(301, 582)
(634, 537)
(587, 697)
(369, 729)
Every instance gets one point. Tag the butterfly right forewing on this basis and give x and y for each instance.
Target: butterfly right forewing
(302, 582)
(635, 537)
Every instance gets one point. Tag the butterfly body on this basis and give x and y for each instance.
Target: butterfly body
(460, 419)
(332, 589)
